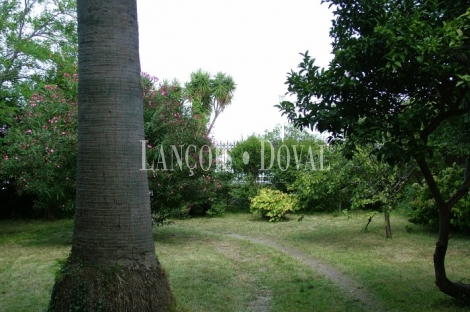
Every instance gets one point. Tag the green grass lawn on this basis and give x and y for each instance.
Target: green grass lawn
(211, 269)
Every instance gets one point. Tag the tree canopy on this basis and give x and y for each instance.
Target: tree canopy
(400, 68)
(37, 39)
(209, 95)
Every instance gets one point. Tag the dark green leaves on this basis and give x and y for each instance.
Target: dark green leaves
(399, 70)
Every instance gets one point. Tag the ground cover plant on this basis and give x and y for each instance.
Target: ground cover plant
(240, 262)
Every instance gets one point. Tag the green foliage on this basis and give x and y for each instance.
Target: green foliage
(316, 191)
(209, 95)
(423, 206)
(294, 151)
(451, 142)
(248, 157)
(223, 200)
(387, 56)
(182, 175)
(375, 183)
(240, 194)
(400, 71)
(38, 38)
(39, 150)
(324, 189)
(272, 204)
(38, 49)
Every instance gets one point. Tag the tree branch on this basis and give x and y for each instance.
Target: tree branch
(432, 126)
(436, 193)
(463, 189)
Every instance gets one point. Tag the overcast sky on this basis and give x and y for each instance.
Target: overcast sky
(257, 42)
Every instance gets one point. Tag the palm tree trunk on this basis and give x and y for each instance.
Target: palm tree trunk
(112, 265)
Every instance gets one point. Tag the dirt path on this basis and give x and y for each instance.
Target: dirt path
(348, 285)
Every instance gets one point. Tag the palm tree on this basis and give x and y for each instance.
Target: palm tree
(209, 95)
(198, 92)
(222, 89)
(112, 266)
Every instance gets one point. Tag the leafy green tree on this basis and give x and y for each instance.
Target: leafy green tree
(324, 188)
(294, 151)
(400, 71)
(112, 265)
(37, 37)
(251, 157)
(376, 183)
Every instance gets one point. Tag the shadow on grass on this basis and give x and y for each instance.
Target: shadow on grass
(176, 236)
(450, 303)
(31, 233)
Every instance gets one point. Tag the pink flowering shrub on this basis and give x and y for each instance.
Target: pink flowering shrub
(176, 188)
(39, 149)
(38, 152)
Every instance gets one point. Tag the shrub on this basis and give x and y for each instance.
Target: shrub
(38, 152)
(316, 191)
(223, 200)
(272, 204)
(250, 167)
(173, 132)
(240, 194)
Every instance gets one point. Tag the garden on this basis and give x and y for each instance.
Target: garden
(279, 221)
(239, 262)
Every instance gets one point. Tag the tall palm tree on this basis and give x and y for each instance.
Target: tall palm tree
(112, 266)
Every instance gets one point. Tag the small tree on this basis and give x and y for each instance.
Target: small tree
(209, 95)
(294, 151)
(377, 183)
(250, 157)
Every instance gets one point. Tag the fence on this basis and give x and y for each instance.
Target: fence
(223, 155)
(224, 163)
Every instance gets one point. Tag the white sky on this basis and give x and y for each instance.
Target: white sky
(257, 42)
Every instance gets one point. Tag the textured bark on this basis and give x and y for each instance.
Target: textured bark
(112, 227)
(112, 221)
(456, 290)
(82, 288)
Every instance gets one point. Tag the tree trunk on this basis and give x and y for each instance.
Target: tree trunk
(456, 290)
(112, 266)
(388, 228)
